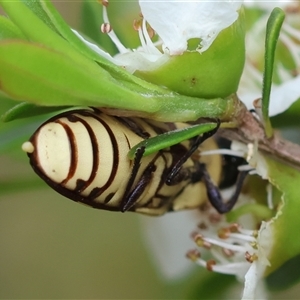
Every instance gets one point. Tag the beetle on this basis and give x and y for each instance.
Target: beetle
(82, 154)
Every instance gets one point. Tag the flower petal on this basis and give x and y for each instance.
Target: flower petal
(177, 22)
(282, 96)
(168, 238)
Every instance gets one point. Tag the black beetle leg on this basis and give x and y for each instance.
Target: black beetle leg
(196, 143)
(214, 195)
(130, 197)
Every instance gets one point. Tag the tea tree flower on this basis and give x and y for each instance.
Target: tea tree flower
(195, 43)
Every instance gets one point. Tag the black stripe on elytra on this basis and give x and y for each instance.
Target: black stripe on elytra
(80, 183)
(73, 151)
(96, 192)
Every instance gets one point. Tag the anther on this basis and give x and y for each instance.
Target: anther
(193, 255)
(254, 245)
(251, 257)
(104, 2)
(224, 233)
(255, 233)
(106, 28)
(137, 24)
(234, 227)
(200, 242)
(209, 264)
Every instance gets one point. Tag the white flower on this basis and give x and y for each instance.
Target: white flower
(285, 90)
(234, 250)
(230, 248)
(174, 22)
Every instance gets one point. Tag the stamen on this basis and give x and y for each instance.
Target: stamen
(209, 242)
(193, 255)
(104, 2)
(141, 36)
(270, 196)
(224, 152)
(230, 268)
(251, 257)
(106, 28)
(146, 42)
(244, 237)
(201, 242)
(136, 24)
(149, 43)
(121, 48)
(210, 264)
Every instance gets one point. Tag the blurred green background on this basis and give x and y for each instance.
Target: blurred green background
(54, 248)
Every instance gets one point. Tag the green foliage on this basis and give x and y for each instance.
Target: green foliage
(65, 71)
(171, 138)
(273, 30)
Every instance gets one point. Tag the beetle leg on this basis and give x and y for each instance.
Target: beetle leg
(213, 192)
(196, 143)
(131, 197)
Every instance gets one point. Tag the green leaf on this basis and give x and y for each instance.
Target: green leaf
(6, 104)
(37, 9)
(8, 30)
(55, 79)
(273, 30)
(27, 110)
(37, 31)
(286, 224)
(64, 29)
(171, 138)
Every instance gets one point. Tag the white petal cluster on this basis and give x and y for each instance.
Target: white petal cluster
(175, 23)
(178, 21)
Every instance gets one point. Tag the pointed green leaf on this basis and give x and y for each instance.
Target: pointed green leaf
(37, 9)
(171, 138)
(45, 77)
(27, 110)
(8, 30)
(273, 30)
(37, 31)
(64, 29)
